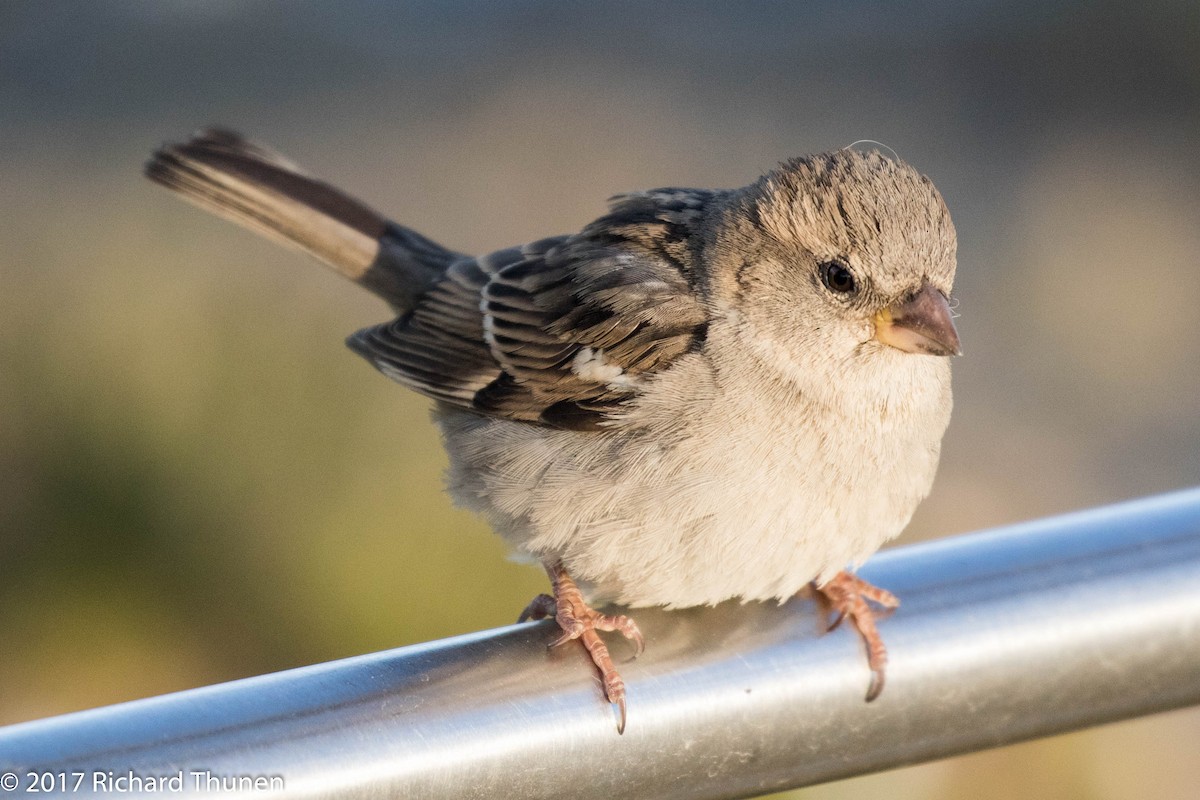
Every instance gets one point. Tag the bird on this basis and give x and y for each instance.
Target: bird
(702, 395)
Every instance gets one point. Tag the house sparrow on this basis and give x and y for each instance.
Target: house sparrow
(702, 395)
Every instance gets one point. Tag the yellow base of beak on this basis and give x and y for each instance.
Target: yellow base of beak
(921, 323)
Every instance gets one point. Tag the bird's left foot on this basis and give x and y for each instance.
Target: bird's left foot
(848, 596)
(580, 621)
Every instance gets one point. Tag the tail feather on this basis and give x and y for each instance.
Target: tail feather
(256, 187)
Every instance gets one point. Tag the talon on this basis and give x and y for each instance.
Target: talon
(849, 595)
(579, 621)
(539, 607)
(627, 628)
(876, 686)
(569, 635)
(614, 686)
(639, 644)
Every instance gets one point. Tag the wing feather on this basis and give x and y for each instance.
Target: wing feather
(559, 331)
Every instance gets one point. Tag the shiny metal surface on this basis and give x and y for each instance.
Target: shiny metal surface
(1003, 635)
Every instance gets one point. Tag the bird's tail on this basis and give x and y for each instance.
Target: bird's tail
(256, 187)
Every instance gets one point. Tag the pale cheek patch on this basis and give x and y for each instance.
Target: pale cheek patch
(590, 365)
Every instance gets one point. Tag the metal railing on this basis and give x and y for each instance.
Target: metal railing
(1005, 635)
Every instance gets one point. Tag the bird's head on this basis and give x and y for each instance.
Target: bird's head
(839, 263)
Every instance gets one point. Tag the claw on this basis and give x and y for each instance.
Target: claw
(876, 686)
(627, 628)
(639, 645)
(569, 635)
(539, 607)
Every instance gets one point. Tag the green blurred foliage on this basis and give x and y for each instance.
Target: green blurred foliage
(198, 482)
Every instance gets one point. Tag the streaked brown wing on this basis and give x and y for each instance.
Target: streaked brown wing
(559, 332)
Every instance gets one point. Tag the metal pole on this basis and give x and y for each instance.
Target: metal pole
(1005, 635)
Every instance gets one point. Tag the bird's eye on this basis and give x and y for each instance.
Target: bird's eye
(837, 277)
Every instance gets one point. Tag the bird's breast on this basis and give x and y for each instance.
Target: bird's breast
(747, 494)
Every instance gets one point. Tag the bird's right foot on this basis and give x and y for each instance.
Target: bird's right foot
(580, 621)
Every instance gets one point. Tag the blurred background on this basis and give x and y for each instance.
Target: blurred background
(199, 483)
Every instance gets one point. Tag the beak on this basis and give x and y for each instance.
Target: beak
(919, 324)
